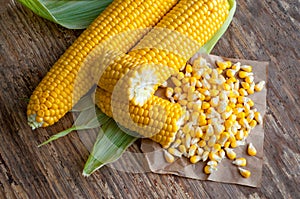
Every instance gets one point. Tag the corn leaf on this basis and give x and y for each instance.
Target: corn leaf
(208, 46)
(109, 146)
(72, 14)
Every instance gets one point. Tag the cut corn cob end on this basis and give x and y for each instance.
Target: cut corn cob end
(33, 123)
(145, 80)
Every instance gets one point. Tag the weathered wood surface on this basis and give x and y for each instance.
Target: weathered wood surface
(261, 30)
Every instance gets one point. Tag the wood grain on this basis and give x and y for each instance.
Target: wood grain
(261, 30)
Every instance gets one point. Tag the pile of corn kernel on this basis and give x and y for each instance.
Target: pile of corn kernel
(219, 115)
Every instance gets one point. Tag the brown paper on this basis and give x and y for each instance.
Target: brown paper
(227, 172)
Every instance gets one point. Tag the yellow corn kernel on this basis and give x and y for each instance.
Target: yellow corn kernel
(216, 148)
(250, 91)
(244, 172)
(223, 65)
(241, 115)
(207, 169)
(231, 80)
(253, 123)
(226, 87)
(251, 150)
(202, 143)
(230, 153)
(250, 102)
(180, 76)
(188, 69)
(243, 74)
(258, 87)
(242, 162)
(205, 105)
(168, 157)
(243, 92)
(227, 144)
(249, 79)
(194, 159)
(230, 72)
(233, 144)
(245, 85)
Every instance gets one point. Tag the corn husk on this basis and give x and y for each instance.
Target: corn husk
(70, 14)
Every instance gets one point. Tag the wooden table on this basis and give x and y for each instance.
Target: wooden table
(263, 30)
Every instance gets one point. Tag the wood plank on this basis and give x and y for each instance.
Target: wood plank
(29, 45)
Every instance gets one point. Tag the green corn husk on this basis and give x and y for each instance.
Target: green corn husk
(70, 14)
(111, 141)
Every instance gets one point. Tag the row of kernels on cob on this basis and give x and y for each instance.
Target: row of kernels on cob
(218, 117)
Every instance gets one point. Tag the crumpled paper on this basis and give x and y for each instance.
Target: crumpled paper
(227, 172)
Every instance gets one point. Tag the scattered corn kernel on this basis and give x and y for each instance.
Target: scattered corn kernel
(169, 158)
(240, 162)
(230, 153)
(244, 172)
(251, 150)
(258, 87)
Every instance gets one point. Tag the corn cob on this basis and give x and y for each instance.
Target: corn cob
(158, 119)
(176, 38)
(56, 94)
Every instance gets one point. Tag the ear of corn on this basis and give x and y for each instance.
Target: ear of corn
(158, 119)
(55, 95)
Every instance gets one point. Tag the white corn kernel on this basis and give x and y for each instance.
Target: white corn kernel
(175, 152)
(176, 143)
(246, 68)
(200, 151)
(205, 155)
(212, 163)
(169, 158)
(192, 150)
(240, 162)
